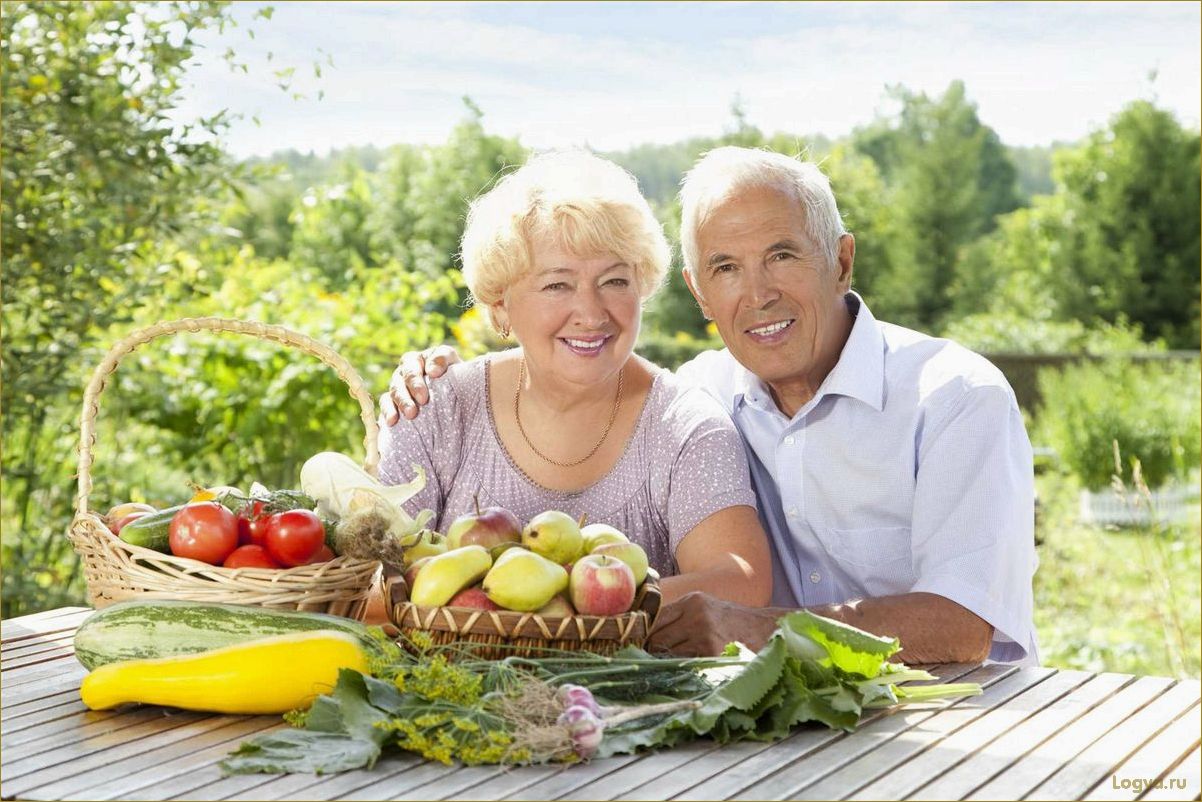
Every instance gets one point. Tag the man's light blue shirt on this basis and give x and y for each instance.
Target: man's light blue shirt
(908, 471)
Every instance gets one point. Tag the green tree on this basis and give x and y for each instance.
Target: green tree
(1131, 241)
(948, 177)
(95, 176)
(330, 227)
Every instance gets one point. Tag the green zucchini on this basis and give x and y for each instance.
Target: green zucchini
(151, 531)
(134, 630)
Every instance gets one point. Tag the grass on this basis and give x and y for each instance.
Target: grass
(1124, 600)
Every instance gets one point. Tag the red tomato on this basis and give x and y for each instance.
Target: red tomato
(293, 537)
(204, 531)
(251, 556)
(252, 525)
(323, 555)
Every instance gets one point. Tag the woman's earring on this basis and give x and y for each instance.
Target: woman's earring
(505, 333)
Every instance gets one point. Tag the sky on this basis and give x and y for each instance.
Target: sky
(610, 75)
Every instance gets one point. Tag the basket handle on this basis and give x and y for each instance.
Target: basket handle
(263, 331)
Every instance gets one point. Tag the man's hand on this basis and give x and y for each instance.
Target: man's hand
(408, 390)
(698, 624)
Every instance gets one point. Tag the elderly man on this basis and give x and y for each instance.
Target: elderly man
(892, 469)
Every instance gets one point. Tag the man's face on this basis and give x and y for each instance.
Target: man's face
(776, 299)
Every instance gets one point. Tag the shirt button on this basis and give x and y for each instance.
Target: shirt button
(789, 440)
(815, 577)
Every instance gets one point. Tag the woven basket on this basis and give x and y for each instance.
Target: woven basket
(117, 571)
(495, 634)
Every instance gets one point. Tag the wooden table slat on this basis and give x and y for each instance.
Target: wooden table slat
(920, 761)
(789, 781)
(1021, 777)
(1102, 756)
(1188, 772)
(1155, 758)
(761, 763)
(930, 778)
(1038, 732)
(113, 778)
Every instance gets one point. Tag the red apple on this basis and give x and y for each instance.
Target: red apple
(488, 527)
(120, 511)
(120, 523)
(410, 573)
(601, 585)
(473, 597)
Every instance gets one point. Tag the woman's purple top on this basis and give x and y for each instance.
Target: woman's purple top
(684, 462)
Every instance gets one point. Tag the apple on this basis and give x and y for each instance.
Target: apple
(558, 607)
(426, 543)
(630, 553)
(410, 573)
(120, 523)
(488, 527)
(119, 511)
(596, 535)
(601, 585)
(473, 597)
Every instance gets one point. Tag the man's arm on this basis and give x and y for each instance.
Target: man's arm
(931, 628)
(408, 388)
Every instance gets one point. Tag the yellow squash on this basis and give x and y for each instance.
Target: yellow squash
(271, 675)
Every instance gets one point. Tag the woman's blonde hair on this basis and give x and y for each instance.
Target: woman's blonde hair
(580, 202)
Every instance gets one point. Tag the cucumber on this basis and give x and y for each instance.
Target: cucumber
(151, 531)
(135, 630)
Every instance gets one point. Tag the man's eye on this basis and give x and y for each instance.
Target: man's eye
(781, 256)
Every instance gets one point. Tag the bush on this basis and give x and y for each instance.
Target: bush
(673, 350)
(1151, 409)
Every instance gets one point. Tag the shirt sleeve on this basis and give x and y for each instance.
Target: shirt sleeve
(974, 518)
(710, 472)
(429, 442)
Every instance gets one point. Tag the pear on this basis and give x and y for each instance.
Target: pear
(448, 573)
(599, 534)
(522, 580)
(554, 535)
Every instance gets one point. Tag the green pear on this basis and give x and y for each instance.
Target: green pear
(599, 534)
(554, 535)
(524, 581)
(448, 573)
(558, 607)
(630, 553)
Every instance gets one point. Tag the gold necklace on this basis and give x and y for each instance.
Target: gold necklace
(517, 398)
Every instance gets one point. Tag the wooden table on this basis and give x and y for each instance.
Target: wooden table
(1040, 733)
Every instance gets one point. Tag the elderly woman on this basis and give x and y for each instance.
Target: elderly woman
(562, 254)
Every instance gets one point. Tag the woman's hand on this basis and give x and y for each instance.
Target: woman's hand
(408, 389)
(725, 556)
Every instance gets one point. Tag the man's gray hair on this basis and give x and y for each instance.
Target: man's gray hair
(724, 171)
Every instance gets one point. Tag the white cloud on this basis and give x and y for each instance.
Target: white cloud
(571, 73)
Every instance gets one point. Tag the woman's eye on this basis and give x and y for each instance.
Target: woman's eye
(618, 282)
(558, 285)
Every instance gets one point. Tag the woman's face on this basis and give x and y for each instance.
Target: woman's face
(577, 318)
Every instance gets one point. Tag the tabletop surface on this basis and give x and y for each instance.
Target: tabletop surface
(1037, 733)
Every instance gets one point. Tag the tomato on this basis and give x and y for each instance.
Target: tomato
(205, 531)
(251, 556)
(323, 555)
(252, 525)
(293, 537)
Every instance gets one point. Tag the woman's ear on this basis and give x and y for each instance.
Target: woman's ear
(499, 317)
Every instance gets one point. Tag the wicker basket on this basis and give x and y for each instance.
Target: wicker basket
(117, 571)
(494, 634)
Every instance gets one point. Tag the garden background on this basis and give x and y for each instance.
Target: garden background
(1075, 266)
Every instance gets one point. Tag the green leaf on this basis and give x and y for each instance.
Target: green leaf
(746, 689)
(300, 751)
(848, 649)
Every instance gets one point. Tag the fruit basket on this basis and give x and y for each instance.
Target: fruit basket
(495, 634)
(118, 571)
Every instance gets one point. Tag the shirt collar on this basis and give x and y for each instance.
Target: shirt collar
(859, 373)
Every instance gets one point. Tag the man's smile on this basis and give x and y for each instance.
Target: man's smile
(771, 332)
